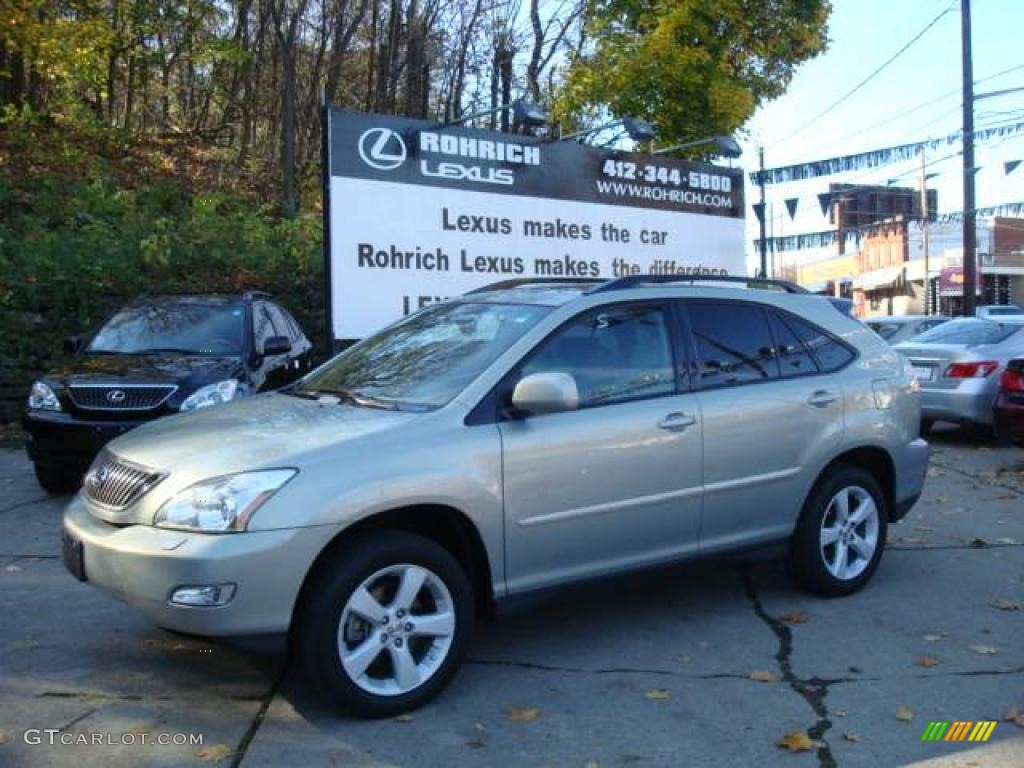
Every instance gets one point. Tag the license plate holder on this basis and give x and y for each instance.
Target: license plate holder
(73, 555)
(924, 372)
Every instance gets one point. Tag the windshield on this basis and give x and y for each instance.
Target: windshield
(426, 359)
(968, 331)
(185, 328)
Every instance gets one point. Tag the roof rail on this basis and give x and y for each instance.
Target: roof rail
(518, 282)
(256, 294)
(634, 281)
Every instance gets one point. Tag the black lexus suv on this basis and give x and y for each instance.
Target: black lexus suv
(157, 356)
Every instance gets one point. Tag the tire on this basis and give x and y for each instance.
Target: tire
(57, 479)
(374, 567)
(817, 566)
(926, 426)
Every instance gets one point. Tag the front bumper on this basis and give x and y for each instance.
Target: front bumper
(911, 467)
(55, 437)
(970, 402)
(142, 565)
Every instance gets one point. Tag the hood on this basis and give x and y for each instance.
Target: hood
(252, 433)
(146, 369)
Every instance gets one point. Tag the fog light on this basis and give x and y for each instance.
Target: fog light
(203, 595)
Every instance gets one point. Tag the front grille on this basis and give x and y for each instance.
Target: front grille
(115, 483)
(104, 397)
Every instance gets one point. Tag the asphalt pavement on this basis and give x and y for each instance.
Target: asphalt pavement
(711, 664)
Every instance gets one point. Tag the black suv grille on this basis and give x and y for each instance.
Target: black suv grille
(119, 398)
(116, 483)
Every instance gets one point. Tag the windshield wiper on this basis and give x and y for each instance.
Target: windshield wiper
(356, 398)
(161, 350)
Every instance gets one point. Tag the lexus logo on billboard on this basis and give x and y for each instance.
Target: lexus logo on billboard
(382, 148)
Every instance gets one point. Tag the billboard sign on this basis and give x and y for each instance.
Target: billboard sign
(417, 213)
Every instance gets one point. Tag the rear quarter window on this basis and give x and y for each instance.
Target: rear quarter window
(830, 353)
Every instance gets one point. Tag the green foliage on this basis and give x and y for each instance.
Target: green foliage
(692, 67)
(78, 238)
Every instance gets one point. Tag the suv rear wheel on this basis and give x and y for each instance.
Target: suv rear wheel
(385, 623)
(841, 533)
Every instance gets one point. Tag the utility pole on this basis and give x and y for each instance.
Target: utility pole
(970, 246)
(764, 212)
(924, 236)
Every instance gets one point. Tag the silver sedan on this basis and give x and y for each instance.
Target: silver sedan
(958, 365)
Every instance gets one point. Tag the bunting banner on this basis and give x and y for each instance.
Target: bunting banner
(759, 211)
(1010, 166)
(875, 158)
(825, 201)
(829, 237)
(791, 204)
(1006, 209)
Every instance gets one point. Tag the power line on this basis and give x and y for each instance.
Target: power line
(870, 77)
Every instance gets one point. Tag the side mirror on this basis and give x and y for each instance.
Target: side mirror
(276, 345)
(541, 393)
(72, 344)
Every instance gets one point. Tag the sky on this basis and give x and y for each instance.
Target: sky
(914, 98)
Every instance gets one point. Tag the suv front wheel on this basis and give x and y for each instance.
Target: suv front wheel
(841, 533)
(385, 623)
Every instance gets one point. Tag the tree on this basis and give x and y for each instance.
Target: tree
(691, 67)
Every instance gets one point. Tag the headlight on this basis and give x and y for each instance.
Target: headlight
(221, 504)
(213, 394)
(43, 398)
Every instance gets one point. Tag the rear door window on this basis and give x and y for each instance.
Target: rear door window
(733, 342)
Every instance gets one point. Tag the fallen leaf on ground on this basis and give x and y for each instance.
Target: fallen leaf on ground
(851, 736)
(797, 617)
(1015, 716)
(4, 737)
(984, 650)
(1005, 605)
(591, 764)
(12, 568)
(214, 753)
(406, 718)
(941, 499)
(927, 661)
(764, 676)
(934, 637)
(796, 741)
(979, 543)
(522, 714)
(659, 694)
(839, 713)
(904, 714)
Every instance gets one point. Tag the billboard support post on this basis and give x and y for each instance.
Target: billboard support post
(325, 166)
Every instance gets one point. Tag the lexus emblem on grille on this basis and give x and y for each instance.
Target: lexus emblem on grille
(98, 478)
(115, 396)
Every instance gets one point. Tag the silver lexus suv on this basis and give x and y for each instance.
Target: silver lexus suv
(503, 442)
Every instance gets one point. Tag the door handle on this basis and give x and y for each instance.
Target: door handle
(677, 422)
(822, 398)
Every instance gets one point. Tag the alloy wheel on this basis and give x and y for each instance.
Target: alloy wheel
(849, 532)
(396, 630)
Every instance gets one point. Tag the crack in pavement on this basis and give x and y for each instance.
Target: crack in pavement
(608, 671)
(28, 503)
(257, 721)
(946, 547)
(813, 691)
(1013, 487)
